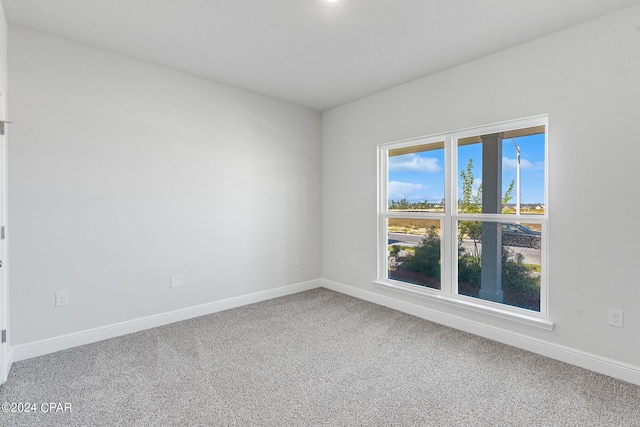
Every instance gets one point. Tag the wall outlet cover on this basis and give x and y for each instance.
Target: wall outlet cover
(62, 298)
(616, 317)
(177, 280)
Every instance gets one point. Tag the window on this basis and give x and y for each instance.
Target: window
(464, 217)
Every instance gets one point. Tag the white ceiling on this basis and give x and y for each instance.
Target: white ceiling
(308, 52)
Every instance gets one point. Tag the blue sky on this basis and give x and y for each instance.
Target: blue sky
(420, 176)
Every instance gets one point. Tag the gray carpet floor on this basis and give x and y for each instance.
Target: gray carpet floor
(314, 358)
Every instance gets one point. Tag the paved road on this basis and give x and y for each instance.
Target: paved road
(531, 256)
(405, 239)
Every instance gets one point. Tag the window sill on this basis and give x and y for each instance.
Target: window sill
(480, 307)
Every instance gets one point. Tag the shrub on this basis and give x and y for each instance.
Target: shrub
(426, 259)
(469, 268)
(516, 276)
(394, 250)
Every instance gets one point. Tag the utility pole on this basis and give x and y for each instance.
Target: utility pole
(517, 176)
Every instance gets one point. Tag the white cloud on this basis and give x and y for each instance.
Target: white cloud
(510, 164)
(414, 163)
(405, 190)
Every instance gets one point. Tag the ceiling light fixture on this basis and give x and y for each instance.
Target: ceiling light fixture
(331, 1)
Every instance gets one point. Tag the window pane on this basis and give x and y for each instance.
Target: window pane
(416, 178)
(470, 175)
(500, 262)
(502, 172)
(414, 251)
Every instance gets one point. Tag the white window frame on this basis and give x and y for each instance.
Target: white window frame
(447, 294)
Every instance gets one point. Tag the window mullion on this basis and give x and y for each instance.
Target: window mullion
(383, 176)
(448, 245)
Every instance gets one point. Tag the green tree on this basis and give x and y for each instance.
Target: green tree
(469, 203)
(472, 203)
(508, 195)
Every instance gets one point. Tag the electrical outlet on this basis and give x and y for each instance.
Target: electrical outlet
(616, 317)
(353, 264)
(177, 280)
(62, 298)
(298, 262)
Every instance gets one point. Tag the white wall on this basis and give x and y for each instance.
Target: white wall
(3, 49)
(5, 359)
(587, 79)
(123, 173)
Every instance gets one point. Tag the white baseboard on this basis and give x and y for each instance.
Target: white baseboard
(8, 361)
(592, 362)
(63, 342)
(569, 355)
